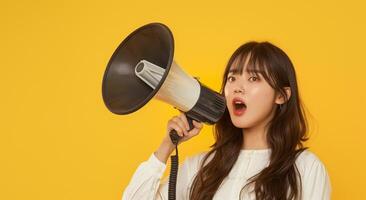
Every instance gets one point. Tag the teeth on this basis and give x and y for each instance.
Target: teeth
(240, 104)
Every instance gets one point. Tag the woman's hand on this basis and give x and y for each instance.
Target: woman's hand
(180, 125)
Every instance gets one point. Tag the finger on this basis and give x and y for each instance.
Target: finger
(173, 125)
(180, 123)
(177, 128)
(185, 120)
(198, 125)
(193, 132)
(196, 129)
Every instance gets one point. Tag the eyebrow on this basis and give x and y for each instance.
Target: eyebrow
(236, 71)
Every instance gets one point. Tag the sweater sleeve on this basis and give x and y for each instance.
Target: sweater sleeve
(146, 183)
(316, 182)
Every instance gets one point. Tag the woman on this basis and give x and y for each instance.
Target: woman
(258, 151)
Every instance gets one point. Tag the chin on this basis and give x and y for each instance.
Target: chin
(238, 122)
(240, 125)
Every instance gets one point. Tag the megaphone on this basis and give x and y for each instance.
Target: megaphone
(142, 67)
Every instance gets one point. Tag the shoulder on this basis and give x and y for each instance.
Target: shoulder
(307, 157)
(314, 176)
(308, 160)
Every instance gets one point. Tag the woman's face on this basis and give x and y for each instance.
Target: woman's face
(257, 94)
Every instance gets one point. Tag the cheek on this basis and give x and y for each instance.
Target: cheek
(262, 97)
(226, 91)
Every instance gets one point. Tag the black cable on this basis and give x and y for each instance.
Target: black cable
(173, 175)
(174, 161)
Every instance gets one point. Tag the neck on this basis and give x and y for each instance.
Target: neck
(254, 138)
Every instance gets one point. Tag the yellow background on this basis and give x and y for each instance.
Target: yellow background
(59, 141)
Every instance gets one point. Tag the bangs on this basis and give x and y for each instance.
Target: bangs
(255, 62)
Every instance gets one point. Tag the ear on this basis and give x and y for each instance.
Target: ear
(280, 99)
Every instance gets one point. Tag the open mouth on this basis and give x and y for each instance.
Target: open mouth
(239, 105)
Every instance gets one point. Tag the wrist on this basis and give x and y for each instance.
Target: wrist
(164, 150)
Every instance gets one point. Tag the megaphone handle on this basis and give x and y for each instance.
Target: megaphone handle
(174, 135)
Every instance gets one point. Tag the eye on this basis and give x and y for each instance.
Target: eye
(254, 78)
(231, 78)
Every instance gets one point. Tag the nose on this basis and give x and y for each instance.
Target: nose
(238, 89)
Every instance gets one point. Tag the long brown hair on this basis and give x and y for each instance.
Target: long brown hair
(287, 130)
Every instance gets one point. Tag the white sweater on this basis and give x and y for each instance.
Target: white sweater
(146, 185)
